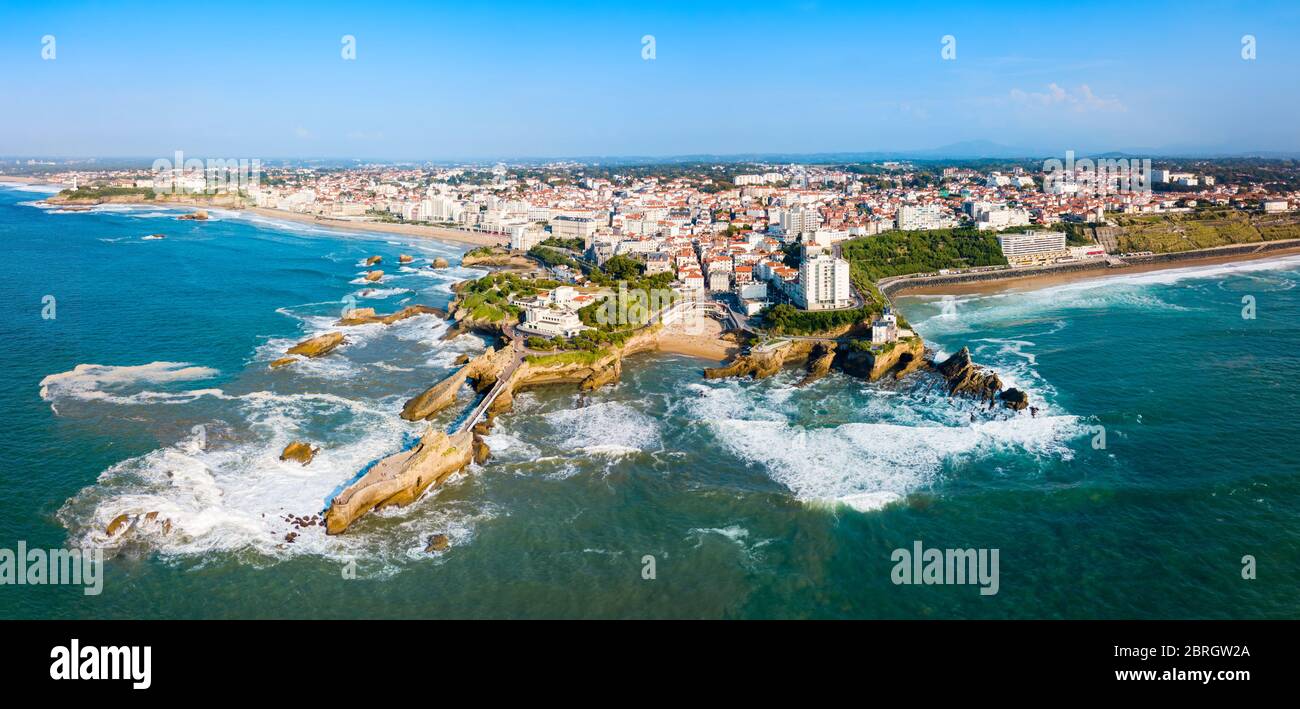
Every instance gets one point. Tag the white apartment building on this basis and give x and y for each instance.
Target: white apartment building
(824, 283)
(914, 217)
(1033, 246)
(1002, 218)
(798, 220)
(567, 227)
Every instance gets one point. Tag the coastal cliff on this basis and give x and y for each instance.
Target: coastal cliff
(763, 361)
(821, 356)
(856, 358)
(901, 358)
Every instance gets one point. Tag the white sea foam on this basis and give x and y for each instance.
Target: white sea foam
(29, 187)
(236, 496)
(608, 428)
(867, 464)
(98, 382)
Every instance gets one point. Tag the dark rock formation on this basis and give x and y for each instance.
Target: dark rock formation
(966, 378)
(1014, 399)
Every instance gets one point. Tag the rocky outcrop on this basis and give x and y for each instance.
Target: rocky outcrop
(366, 316)
(405, 258)
(762, 361)
(964, 377)
(275, 364)
(129, 523)
(198, 215)
(497, 257)
(1014, 399)
(401, 478)
(875, 362)
(119, 522)
(435, 398)
(317, 346)
(819, 362)
(481, 369)
(438, 542)
(374, 276)
(607, 374)
(374, 260)
(439, 262)
(299, 451)
(481, 450)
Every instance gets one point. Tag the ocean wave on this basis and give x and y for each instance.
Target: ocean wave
(107, 383)
(231, 493)
(605, 427)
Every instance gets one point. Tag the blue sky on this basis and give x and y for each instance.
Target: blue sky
(481, 80)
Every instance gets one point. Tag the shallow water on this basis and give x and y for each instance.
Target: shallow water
(150, 391)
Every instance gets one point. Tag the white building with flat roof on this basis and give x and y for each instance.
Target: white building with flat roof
(1033, 246)
(914, 217)
(824, 283)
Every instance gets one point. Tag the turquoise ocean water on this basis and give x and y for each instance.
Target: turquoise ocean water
(150, 391)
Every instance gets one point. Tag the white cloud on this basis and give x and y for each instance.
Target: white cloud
(1079, 101)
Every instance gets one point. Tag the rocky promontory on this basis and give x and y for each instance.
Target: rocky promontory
(496, 257)
(401, 478)
(366, 316)
(317, 346)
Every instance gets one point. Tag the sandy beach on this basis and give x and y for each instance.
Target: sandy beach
(18, 179)
(697, 337)
(1014, 283)
(462, 236)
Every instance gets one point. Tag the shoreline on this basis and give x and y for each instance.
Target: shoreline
(460, 236)
(447, 234)
(1024, 282)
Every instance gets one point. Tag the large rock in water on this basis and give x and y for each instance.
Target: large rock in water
(1014, 399)
(965, 377)
(299, 451)
(317, 346)
(439, 262)
(374, 276)
(401, 478)
(404, 258)
(365, 316)
(374, 260)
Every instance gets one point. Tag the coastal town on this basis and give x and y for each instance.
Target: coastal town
(749, 236)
